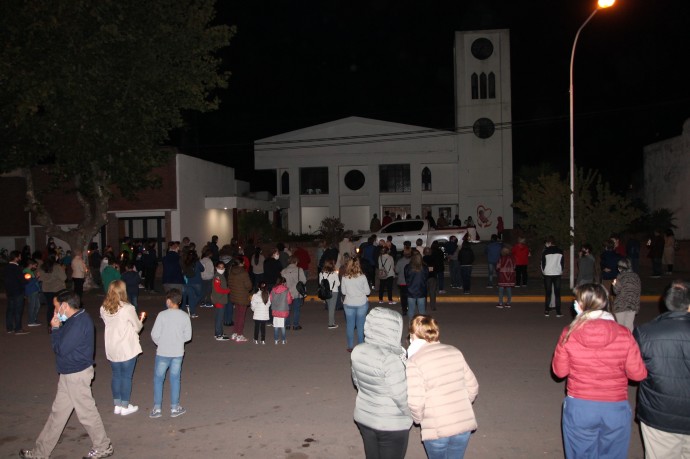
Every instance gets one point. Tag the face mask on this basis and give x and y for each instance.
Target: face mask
(62, 317)
(276, 257)
(220, 271)
(576, 306)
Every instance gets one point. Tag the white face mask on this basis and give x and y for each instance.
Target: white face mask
(276, 256)
(576, 306)
(220, 271)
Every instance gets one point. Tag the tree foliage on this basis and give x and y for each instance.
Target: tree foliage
(331, 230)
(255, 226)
(599, 212)
(89, 90)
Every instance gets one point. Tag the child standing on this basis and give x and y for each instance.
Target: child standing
(261, 302)
(219, 297)
(32, 291)
(506, 276)
(280, 304)
(173, 328)
(132, 280)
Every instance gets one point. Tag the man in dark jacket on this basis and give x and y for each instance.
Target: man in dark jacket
(663, 404)
(14, 287)
(172, 270)
(72, 339)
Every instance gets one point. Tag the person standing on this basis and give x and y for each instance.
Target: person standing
(453, 250)
(466, 259)
(627, 287)
(669, 251)
(257, 263)
(506, 277)
(551, 269)
(261, 303)
(122, 347)
(14, 288)
(586, 266)
(240, 286)
(493, 253)
(441, 388)
(355, 289)
(598, 356)
(386, 274)
(402, 283)
(375, 224)
(521, 254)
(294, 274)
(172, 270)
(219, 298)
(110, 273)
(432, 278)
(95, 258)
(172, 329)
(206, 277)
(53, 279)
(72, 339)
(416, 276)
(132, 280)
(609, 265)
(272, 268)
(79, 271)
(656, 252)
(663, 405)
(378, 372)
(149, 264)
(330, 275)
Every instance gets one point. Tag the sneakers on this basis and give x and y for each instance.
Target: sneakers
(177, 411)
(507, 305)
(559, 315)
(381, 301)
(297, 327)
(441, 292)
(35, 324)
(117, 410)
(392, 302)
(256, 341)
(546, 314)
(129, 410)
(240, 339)
(194, 316)
(222, 338)
(233, 336)
(276, 342)
(499, 306)
(94, 453)
(29, 453)
(333, 326)
(155, 413)
(263, 342)
(21, 332)
(284, 342)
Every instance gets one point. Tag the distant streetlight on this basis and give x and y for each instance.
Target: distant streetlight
(600, 5)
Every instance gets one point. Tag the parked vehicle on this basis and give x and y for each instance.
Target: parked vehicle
(411, 230)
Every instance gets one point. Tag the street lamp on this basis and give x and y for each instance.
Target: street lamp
(601, 4)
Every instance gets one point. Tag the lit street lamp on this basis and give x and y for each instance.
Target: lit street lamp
(600, 5)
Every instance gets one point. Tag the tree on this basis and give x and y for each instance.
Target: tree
(331, 229)
(255, 226)
(599, 212)
(89, 90)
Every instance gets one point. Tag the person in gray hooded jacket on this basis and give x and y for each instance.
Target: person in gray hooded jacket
(378, 372)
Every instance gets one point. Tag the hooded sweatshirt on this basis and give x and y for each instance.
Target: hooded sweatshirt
(378, 372)
(122, 333)
(280, 301)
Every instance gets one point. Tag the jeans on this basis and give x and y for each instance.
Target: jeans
(552, 283)
(134, 299)
(206, 286)
(431, 291)
(219, 320)
(161, 366)
(228, 313)
(521, 275)
(596, 429)
(330, 304)
(452, 447)
(455, 279)
(34, 303)
(193, 292)
(466, 273)
(293, 318)
(415, 306)
(508, 293)
(387, 284)
(354, 318)
(121, 384)
(492, 274)
(279, 333)
(15, 309)
(240, 314)
(384, 444)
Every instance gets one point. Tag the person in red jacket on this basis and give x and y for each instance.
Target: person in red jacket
(598, 356)
(521, 255)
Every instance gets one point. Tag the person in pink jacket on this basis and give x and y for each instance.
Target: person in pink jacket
(441, 388)
(598, 356)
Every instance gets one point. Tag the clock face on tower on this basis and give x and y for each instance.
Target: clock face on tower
(482, 48)
(484, 128)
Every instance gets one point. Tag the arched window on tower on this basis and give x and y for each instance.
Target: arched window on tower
(285, 183)
(475, 86)
(492, 85)
(482, 85)
(426, 179)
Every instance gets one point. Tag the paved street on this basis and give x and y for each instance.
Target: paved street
(296, 401)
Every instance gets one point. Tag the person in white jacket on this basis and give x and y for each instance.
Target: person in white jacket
(261, 302)
(329, 273)
(355, 287)
(122, 347)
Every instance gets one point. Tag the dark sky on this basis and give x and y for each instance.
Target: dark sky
(299, 63)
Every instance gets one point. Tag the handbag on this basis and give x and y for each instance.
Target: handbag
(382, 272)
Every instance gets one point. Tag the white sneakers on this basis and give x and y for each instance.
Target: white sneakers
(124, 411)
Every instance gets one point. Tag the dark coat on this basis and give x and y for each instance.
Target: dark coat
(416, 282)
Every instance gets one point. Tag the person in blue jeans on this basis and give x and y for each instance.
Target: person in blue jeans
(355, 288)
(172, 329)
(493, 254)
(416, 276)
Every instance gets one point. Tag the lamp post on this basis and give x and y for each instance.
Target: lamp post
(601, 4)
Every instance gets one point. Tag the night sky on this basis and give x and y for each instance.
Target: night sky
(296, 64)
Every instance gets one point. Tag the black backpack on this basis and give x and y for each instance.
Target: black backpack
(324, 292)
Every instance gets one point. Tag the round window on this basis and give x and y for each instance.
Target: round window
(482, 48)
(484, 128)
(354, 180)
